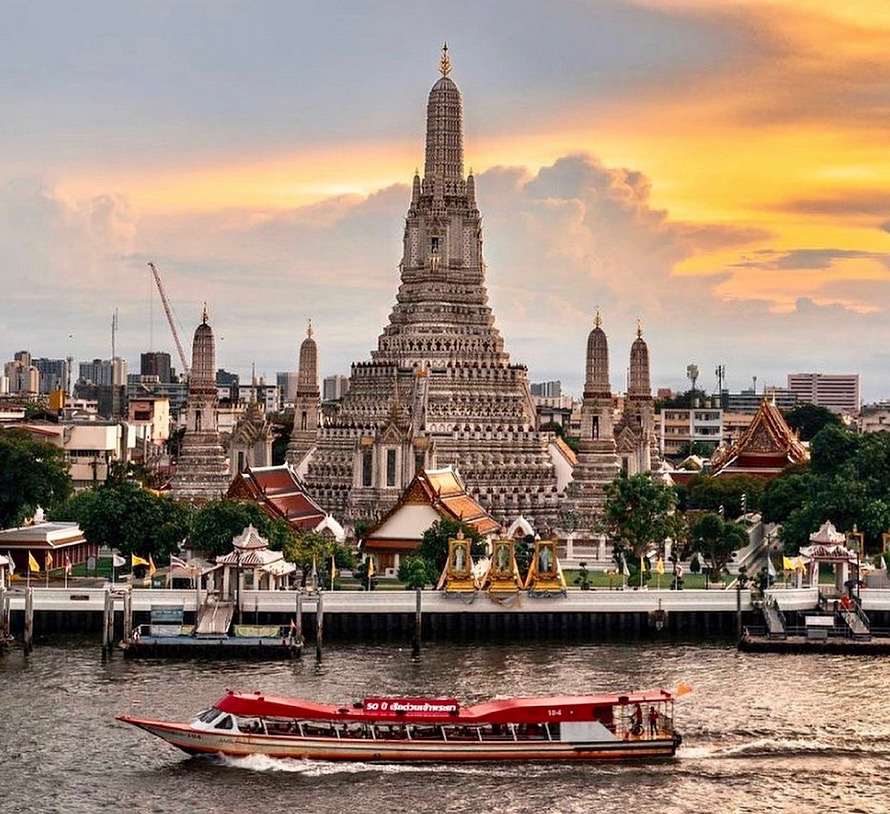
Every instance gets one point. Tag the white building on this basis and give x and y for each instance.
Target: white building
(839, 392)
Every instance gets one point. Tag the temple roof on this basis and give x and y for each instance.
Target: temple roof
(766, 447)
(441, 490)
(281, 494)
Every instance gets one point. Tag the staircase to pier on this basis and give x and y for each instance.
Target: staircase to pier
(774, 619)
(856, 622)
(214, 617)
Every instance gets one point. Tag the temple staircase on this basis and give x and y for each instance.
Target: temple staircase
(214, 617)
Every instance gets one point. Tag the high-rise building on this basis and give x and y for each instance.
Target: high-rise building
(838, 392)
(53, 374)
(287, 384)
(335, 387)
(549, 390)
(439, 389)
(22, 377)
(156, 363)
(104, 371)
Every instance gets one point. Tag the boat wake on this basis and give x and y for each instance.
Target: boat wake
(771, 747)
(321, 768)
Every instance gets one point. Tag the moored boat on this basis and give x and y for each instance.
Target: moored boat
(635, 726)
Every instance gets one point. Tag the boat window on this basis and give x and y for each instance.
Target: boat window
(225, 723)
(208, 715)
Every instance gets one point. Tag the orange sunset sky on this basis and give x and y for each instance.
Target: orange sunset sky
(718, 170)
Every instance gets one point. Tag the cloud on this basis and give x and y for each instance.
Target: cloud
(558, 242)
(807, 259)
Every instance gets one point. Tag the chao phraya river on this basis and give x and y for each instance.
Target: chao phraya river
(763, 733)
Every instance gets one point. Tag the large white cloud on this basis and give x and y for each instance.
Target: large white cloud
(558, 242)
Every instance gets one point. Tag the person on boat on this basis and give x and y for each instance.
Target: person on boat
(653, 722)
(845, 602)
(636, 721)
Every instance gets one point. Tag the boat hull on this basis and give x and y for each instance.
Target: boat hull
(195, 742)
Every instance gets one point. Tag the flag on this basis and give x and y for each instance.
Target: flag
(370, 567)
(151, 567)
(659, 566)
(624, 569)
(682, 689)
(48, 561)
(178, 562)
(770, 568)
(333, 568)
(117, 561)
(134, 561)
(799, 564)
(11, 563)
(642, 565)
(32, 563)
(787, 564)
(67, 563)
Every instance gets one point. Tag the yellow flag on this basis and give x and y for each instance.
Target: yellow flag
(134, 561)
(801, 565)
(787, 564)
(370, 567)
(151, 566)
(642, 565)
(333, 567)
(32, 563)
(49, 561)
(659, 566)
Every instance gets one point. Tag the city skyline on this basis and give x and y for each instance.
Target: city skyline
(718, 171)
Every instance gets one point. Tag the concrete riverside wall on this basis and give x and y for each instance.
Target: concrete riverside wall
(387, 614)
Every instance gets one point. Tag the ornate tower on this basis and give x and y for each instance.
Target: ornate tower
(636, 436)
(598, 462)
(201, 471)
(307, 404)
(440, 388)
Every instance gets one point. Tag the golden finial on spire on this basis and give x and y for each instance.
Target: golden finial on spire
(597, 319)
(639, 329)
(309, 329)
(445, 61)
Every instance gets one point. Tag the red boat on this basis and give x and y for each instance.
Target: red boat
(636, 726)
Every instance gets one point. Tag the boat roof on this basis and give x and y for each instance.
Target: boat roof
(441, 710)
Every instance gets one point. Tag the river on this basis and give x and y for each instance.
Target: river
(762, 733)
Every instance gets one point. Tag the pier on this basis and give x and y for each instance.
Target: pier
(431, 615)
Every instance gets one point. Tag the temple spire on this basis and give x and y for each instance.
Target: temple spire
(445, 61)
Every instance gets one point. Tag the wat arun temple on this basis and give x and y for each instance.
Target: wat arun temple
(440, 388)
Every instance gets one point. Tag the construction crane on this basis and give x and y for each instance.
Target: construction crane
(169, 313)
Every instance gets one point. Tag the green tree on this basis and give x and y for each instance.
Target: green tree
(312, 549)
(708, 493)
(832, 448)
(810, 419)
(32, 473)
(434, 545)
(126, 516)
(415, 572)
(219, 521)
(716, 539)
(638, 512)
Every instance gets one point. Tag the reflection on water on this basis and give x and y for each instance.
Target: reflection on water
(761, 732)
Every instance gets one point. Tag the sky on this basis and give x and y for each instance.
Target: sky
(719, 171)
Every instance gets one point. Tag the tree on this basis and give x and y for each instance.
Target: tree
(639, 511)
(125, 516)
(708, 493)
(218, 522)
(32, 473)
(415, 572)
(434, 545)
(832, 448)
(809, 419)
(312, 549)
(717, 538)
